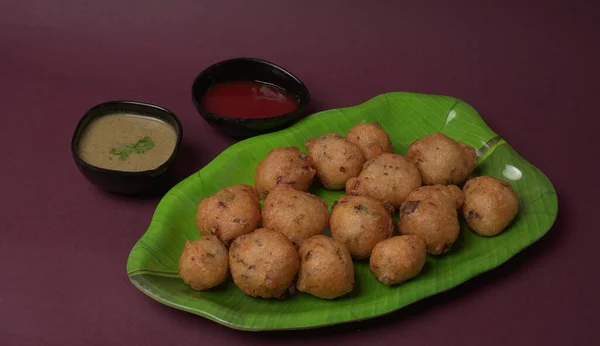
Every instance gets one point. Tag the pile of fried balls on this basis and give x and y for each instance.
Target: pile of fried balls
(270, 252)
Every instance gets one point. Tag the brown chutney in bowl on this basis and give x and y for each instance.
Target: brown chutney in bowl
(126, 147)
(127, 142)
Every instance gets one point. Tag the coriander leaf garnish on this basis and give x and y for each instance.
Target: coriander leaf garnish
(140, 147)
(143, 145)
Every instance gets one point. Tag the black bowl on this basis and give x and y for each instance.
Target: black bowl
(249, 69)
(144, 182)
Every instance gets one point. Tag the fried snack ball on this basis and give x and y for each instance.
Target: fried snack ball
(335, 159)
(360, 222)
(430, 212)
(370, 138)
(263, 263)
(442, 160)
(229, 213)
(203, 263)
(387, 177)
(398, 259)
(326, 268)
(490, 205)
(450, 194)
(287, 166)
(250, 190)
(298, 215)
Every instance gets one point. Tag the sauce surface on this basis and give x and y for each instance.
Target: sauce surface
(246, 99)
(126, 142)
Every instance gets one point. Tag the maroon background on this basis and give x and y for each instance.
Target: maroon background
(531, 71)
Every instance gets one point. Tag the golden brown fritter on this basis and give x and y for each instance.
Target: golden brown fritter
(360, 222)
(204, 263)
(490, 205)
(439, 193)
(229, 213)
(370, 138)
(287, 166)
(335, 159)
(250, 190)
(398, 259)
(326, 268)
(430, 213)
(263, 263)
(442, 160)
(299, 215)
(387, 177)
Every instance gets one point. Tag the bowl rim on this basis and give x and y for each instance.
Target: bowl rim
(302, 103)
(151, 172)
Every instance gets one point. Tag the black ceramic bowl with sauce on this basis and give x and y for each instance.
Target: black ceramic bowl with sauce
(121, 181)
(255, 70)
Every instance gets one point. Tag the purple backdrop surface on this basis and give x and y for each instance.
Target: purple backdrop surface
(530, 70)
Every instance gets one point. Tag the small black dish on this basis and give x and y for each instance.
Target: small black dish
(249, 69)
(129, 183)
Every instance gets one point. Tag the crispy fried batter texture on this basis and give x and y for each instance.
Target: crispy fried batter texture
(263, 263)
(387, 178)
(442, 160)
(430, 213)
(398, 259)
(336, 159)
(204, 263)
(229, 213)
(299, 215)
(370, 138)
(360, 222)
(490, 205)
(326, 268)
(284, 166)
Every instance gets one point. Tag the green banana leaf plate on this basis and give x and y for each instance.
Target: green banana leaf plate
(152, 264)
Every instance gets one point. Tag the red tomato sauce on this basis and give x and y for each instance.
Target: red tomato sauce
(246, 99)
